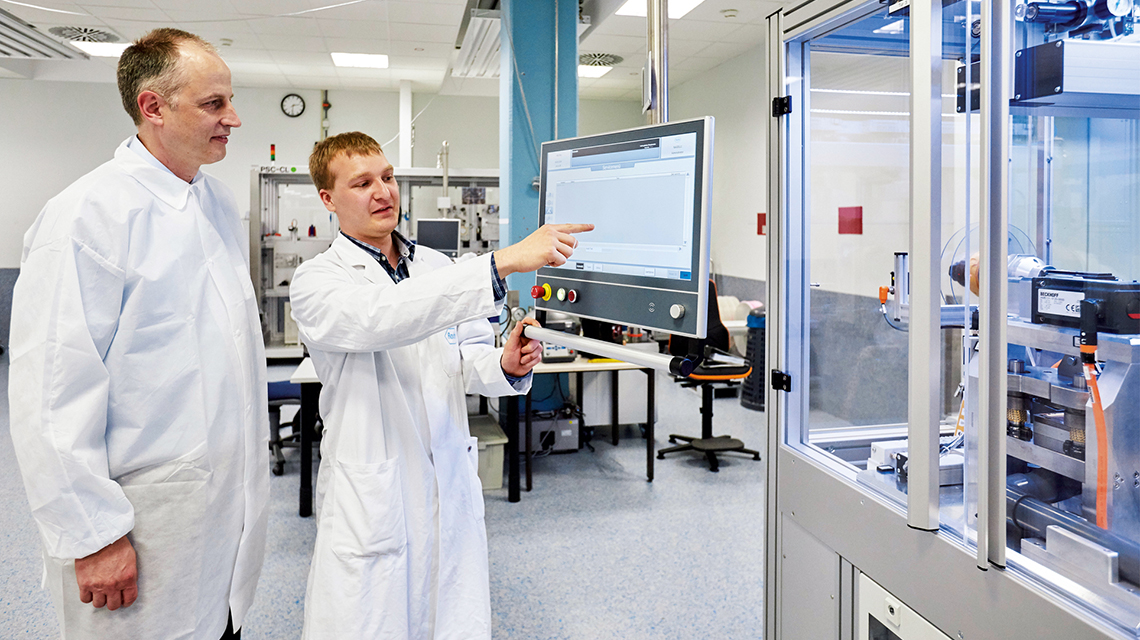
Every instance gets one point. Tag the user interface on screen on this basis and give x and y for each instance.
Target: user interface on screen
(645, 190)
(639, 194)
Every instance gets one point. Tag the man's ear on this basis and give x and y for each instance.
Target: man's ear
(326, 199)
(150, 104)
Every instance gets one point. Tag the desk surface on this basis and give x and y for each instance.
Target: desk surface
(284, 353)
(305, 373)
(585, 366)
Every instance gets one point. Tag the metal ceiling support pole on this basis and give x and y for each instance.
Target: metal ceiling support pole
(657, 40)
(996, 30)
(923, 406)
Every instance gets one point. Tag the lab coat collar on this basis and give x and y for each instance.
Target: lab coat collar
(166, 186)
(359, 259)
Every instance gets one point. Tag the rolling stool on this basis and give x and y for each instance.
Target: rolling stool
(282, 393)
(706, 375)
(709, 444)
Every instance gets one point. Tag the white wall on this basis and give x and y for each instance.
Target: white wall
(601, 116)
(52, 133)
(733, 93)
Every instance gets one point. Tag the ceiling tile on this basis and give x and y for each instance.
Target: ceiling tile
(133, 14)
(411, 12)
(214, 28)
(243, 69)
(693, 30)
(423, 32)
(301, 57)
(99, 5)
(366, 29)
(726, 50)
(209, 8)
(232, 56)
(438, 50)
(298, 26)
(274, 7)
(746, 11)
(314, 43)
(291, 70)
(405, 62)
(258, 80)
(358, 45)
(622, 45)
(622, 26)
(751, 33)
(686, 48)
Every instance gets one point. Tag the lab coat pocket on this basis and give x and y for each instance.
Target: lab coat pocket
(172, 524)
(367, 509)
(478, 508)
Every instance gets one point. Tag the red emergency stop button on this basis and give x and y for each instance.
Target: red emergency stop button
(572, 296)
(536, 291)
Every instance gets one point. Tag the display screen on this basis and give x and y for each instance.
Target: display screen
(441, 234)
(645, 190)
(638, 194)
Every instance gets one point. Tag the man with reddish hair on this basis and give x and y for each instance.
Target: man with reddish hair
(398, 334)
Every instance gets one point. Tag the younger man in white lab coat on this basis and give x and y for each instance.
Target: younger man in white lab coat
(137, 385)
(397, 334)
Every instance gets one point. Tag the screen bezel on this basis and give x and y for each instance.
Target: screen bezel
(702, 127)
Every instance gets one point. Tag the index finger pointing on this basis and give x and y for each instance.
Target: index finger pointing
(573, 228)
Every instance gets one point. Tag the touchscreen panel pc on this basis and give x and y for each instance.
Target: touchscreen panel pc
(645, 190)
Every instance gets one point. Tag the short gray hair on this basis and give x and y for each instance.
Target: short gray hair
(151, 64)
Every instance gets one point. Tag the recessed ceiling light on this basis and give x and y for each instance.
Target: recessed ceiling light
(365, 60)
(677, 8)
(592, 71)
(102, 49)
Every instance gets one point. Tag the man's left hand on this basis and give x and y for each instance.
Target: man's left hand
(520, 354)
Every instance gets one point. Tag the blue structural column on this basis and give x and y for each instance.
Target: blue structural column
(538, 79)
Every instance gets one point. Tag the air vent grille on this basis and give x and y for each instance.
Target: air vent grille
(599, 59)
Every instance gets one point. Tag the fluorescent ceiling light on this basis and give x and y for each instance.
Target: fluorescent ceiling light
(677, 8)
(364, 60)
(592, 70)
(102, 49)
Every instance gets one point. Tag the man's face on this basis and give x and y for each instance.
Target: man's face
(197, 120)
(364, 196)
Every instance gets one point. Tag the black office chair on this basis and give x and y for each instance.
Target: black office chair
(282, 393)
(708, 375)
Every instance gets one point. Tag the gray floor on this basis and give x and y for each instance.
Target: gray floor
(594, 552)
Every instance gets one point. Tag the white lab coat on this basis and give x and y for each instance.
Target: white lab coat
(401, 548)
(138, 397)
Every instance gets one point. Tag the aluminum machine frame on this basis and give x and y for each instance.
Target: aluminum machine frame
(914, 547)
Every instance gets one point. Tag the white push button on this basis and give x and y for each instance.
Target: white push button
(677, 311)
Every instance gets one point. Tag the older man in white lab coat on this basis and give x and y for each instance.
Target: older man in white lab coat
(137, 384)
(397, 333)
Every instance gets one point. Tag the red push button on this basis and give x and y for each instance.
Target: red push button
(572, 296)
(536, 291)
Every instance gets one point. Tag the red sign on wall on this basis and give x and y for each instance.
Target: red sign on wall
(851, 220)
(761, 223)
